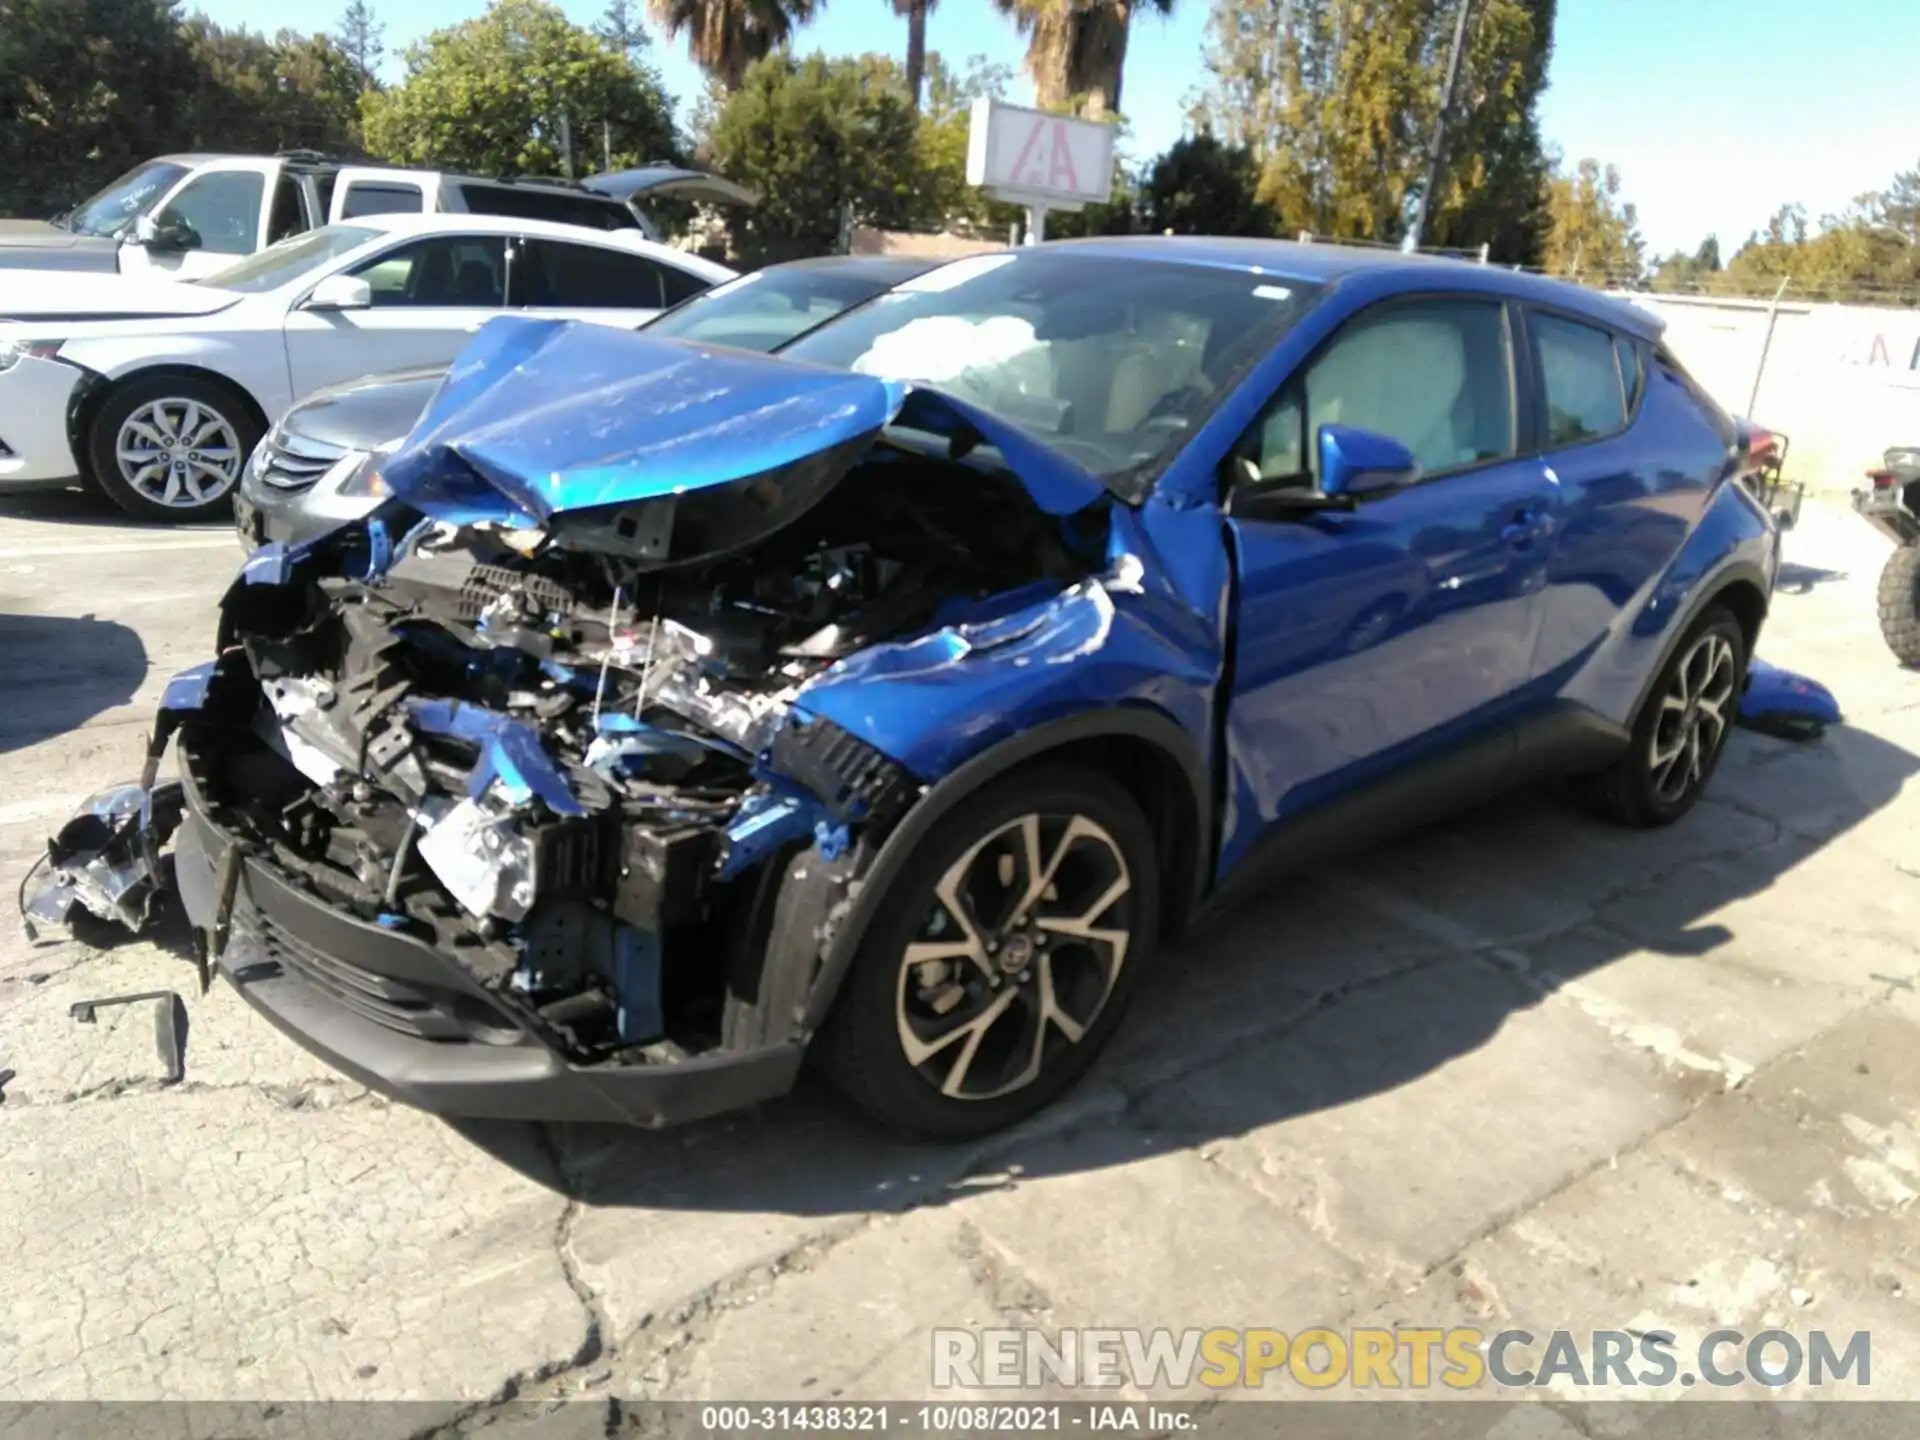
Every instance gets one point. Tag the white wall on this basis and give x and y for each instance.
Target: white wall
(1842, 382)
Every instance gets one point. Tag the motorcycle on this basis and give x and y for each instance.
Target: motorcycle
(1891, 504)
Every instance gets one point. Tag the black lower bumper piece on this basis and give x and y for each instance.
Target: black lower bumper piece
(397, 1016)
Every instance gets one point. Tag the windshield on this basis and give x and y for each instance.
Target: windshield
(287, 261)
(109, 211)
(767, 308)
(1108, 359)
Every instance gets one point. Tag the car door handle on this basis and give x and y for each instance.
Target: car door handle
(1526, 527)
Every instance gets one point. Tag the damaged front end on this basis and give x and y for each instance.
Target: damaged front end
(497, 791)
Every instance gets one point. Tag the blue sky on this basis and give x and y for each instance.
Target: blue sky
(1715, 111)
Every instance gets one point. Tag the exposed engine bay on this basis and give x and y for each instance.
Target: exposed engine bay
(575, 773)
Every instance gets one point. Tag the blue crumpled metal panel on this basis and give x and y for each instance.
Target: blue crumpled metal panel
(541, 417)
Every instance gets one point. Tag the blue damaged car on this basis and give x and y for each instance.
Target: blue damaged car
(684, 712)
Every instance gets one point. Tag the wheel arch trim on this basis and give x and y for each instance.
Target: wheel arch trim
(1741, 578)
(1128, 724)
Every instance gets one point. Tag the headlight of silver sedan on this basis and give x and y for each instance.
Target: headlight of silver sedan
(363, 479)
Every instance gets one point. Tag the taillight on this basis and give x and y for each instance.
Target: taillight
(1882, 479)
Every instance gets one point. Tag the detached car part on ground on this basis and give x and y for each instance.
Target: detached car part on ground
(1891, 504)
(685, 710)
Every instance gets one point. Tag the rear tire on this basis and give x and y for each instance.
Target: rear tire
(1681, 731)
(1001, 958)
(171, 448)
(1899, 602)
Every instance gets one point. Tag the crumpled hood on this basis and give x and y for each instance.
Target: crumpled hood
(43, 295)
(540, 418)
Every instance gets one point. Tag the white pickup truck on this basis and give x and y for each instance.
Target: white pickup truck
(186, 216)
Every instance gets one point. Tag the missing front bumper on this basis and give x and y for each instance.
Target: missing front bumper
(395, 1015)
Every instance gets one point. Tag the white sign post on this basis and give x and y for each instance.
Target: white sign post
(1038, 159)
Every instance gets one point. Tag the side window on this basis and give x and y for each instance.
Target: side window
(577, 277)
(682, 284)
(565, 207)
(220, 211)
(376, 197)
(460, 270)
(1580, 376)
(1631, 379)
(287, 217)
(1433, 374)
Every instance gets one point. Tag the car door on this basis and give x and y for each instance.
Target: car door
(1372, 640)
(428, 296)
(570, 280)
(1632, 462)
(212, 218)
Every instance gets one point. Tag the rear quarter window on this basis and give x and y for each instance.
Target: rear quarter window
(519, 203)
(377, 197)
(1580, 379)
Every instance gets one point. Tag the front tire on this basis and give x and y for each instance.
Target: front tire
(1001, 959)
(1899, 602)
(1681, 731)
(171, 448)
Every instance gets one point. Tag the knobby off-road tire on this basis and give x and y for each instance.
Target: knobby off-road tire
(1900, 604)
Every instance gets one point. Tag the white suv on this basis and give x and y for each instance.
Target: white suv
(186, 216)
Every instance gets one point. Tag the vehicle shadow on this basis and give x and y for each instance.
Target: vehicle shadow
(59, 671)
(77, 505)
(1801, 579)
(1272, 989)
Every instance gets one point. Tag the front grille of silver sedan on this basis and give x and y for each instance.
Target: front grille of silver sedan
(293, 462)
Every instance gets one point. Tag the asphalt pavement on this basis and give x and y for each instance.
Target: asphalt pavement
(1522, 1069)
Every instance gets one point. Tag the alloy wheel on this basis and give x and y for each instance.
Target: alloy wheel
(178, 453)
(1017, 956)
(1693, 717)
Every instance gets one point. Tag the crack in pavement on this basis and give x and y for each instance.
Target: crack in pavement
(287, 1097)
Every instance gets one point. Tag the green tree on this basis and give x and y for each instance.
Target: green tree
(255, 94)
(1337, 101)
(916, 12)
(1707, 257)
(1077, 49)
(1494, 168)
(943, 198)
(88, 89)
(1203, 186)
(491, 94)
(726, 36)
(1593, 235)
(819, 138)
(620, 27)
(360, 36)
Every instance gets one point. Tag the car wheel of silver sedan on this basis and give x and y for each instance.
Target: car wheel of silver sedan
(1001, 957)
(172, 448)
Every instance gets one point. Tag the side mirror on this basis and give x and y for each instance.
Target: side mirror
(1355, 464)
(339, 292)
(159, 233)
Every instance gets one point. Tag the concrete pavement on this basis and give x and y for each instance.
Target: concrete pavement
(1520, 1070)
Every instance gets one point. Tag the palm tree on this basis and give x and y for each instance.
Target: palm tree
(916, 12)
(1077, 48)
(726, 36)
